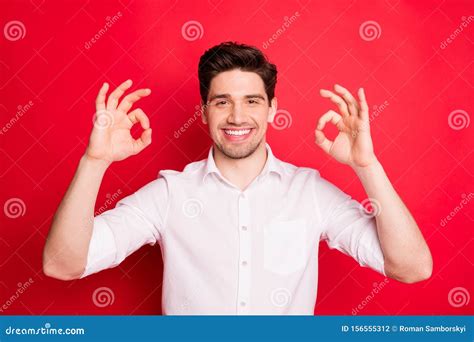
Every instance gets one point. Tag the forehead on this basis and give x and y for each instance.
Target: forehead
(237, 83)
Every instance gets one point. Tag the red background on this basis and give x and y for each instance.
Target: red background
(429, 162)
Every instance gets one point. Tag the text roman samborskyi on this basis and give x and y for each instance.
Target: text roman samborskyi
(435, 329)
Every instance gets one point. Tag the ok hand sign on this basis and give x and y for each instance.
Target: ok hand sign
(110, 139)
(353, 145)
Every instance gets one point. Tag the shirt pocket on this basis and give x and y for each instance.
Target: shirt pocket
(285, 246)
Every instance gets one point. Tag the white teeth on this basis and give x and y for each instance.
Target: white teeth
(237, 132)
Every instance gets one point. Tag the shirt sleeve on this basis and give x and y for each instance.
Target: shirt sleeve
(347, 227)
(136, 220)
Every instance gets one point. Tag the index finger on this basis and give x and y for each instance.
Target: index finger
(114, 96)
(347, 96)
(100, 100)
(364, 113)
(131, 98)
(336, 99)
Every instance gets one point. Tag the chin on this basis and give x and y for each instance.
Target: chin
(238, 151)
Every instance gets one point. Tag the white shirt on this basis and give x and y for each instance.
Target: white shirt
(227, 251)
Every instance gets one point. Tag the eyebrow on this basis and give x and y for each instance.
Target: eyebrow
(226, 96)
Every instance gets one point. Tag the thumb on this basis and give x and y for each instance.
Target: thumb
(322, 141)
(141, 143)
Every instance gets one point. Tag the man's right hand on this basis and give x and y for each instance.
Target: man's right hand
(111, 139)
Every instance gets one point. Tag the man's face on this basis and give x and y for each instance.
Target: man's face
(238, 112)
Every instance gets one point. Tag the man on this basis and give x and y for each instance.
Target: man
(239, 231)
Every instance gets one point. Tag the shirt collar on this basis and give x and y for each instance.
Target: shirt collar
(271, 165)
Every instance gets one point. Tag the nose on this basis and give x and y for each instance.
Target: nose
(237, 114)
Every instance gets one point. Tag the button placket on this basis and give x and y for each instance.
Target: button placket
(245, 243)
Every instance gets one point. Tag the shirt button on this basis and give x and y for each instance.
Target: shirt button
(244, 263)
(243, 303)
(244, 228)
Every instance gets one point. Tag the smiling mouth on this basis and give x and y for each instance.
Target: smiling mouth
(240, 134)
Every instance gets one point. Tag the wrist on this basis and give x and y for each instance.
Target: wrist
(94, 163)
(369, 168)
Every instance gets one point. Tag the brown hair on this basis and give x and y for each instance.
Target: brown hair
(231, 55)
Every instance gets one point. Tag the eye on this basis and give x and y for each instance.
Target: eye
(221, 103)
(253, 101)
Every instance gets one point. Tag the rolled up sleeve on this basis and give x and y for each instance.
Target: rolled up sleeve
(347, 227)
(136, 220)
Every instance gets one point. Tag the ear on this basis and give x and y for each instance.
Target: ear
(204, 113)
(272, 109)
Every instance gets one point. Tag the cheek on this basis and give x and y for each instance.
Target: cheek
(263, 118)
(213, 125)
(263, 128)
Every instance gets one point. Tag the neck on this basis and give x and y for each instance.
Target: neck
(241, 172)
